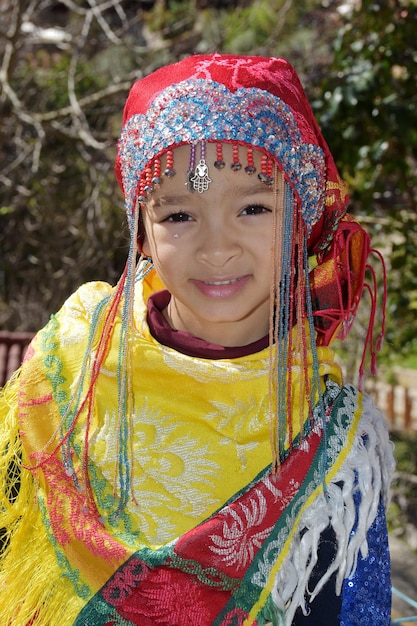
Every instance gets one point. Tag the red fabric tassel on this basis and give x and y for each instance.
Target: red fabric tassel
(337, 284)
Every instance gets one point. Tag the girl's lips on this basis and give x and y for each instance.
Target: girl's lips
(221, 288)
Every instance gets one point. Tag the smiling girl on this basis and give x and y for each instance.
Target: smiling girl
(180, 449)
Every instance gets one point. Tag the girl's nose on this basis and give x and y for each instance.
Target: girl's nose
(219, 245)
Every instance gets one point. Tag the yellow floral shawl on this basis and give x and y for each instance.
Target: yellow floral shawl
(201, 434)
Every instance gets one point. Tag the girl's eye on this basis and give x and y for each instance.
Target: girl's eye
(255, 209)
(178, 218)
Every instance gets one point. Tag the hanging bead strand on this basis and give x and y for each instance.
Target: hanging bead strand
(157, 180)
(191, 168)
(169, 170)
(265, 175)
(269, 169)
(236, 165)
(250, 168)
(219, 162)
(141, 189)
(148, 180)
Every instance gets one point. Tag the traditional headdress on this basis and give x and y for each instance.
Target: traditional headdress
(246, 101)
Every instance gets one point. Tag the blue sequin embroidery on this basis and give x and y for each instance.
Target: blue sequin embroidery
(366, 596)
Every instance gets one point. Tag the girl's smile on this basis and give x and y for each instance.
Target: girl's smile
(221, 288)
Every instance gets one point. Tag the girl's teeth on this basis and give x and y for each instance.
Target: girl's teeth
(222, 282)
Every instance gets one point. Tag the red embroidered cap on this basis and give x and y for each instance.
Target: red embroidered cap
(248, 101)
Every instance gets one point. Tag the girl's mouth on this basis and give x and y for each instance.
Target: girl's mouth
(225, 288)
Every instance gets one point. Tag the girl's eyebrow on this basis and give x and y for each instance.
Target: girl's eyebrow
(253, 188)
(163, 201)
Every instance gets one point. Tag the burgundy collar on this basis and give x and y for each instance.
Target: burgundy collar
(185, 342)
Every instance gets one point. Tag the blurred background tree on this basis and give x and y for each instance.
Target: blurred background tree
(67, 65)
(367, 105)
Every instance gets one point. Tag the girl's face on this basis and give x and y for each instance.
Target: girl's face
(213, 250)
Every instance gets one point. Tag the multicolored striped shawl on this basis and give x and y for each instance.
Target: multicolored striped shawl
(209, 534)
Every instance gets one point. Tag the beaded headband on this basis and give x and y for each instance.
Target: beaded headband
(197, 175)
(254, 102)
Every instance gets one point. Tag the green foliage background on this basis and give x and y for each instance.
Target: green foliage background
(368, 111)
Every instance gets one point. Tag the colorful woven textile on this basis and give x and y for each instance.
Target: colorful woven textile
(208, 529)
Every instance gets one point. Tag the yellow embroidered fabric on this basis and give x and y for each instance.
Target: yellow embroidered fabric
(201, 433)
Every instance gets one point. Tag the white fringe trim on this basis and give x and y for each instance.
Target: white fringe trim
(370, 464)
